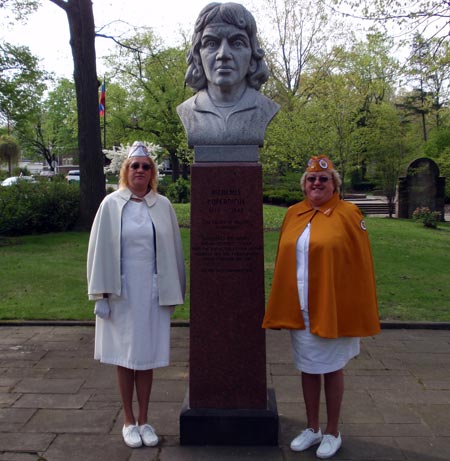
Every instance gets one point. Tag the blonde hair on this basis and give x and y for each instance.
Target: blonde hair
(123, 179)
(335, 177)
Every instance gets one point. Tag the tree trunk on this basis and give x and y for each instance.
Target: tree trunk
(175, 162)
(82, 41)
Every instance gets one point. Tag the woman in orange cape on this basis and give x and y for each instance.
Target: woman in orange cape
(323, 291)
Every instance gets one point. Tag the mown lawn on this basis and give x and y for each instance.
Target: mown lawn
(44, 276)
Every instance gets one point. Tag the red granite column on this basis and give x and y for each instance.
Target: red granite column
(228, 400)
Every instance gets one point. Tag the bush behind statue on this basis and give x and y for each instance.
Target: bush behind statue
(38, 208)
(178, 191)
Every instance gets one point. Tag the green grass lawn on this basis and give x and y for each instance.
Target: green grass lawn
(44, 276)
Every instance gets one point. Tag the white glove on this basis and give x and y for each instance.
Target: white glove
(102, 308)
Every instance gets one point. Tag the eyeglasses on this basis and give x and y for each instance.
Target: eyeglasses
(144, 166)
(322, 179)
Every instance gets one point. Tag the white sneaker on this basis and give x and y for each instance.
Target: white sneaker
(148, 435)
(306, 439)
(131, 436)
(329, 446)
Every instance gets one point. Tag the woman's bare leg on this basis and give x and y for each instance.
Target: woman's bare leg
(144, 381)
(311, 394)
(334, 392)
(125, 378)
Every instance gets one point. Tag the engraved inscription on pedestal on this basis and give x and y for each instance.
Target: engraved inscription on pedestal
(226, 246)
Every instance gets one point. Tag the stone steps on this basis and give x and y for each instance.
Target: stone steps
(375, 207)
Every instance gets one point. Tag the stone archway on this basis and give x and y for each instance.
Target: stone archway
(421, 187)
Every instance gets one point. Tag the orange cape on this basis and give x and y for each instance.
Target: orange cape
(342, 294)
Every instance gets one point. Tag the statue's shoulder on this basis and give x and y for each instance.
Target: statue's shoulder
(186, 105)
(264, 104)
(267, 103)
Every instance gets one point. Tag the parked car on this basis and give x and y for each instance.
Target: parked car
(47, 173)
(73, 176)
(16, 179)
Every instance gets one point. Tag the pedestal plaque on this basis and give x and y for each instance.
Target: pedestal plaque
(228, 399)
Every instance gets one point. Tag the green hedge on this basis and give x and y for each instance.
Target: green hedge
(282, 197)
(43, 207)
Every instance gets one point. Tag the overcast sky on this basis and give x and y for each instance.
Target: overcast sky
(46, 32)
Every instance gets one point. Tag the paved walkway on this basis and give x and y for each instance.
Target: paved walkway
(58, 404)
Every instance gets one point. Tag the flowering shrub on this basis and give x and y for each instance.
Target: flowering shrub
(119, 154)
(426, 216)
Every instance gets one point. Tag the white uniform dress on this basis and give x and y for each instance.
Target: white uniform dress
(137, 334)
(313, 354)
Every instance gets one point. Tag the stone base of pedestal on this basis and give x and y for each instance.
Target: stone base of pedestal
(240, 427)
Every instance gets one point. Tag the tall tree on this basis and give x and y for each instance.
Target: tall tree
(60, 115)
(21, 85)
(53, 131)
(372, 70)
(338, 104)
(429, 71)
(430, 18)
(80, 17)
(386, 147)
(300, 31)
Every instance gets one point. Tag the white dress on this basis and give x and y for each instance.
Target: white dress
(313, 354)
(137, 334)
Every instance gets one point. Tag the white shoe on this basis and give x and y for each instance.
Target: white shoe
(131, 436)
(329, 446)
(148, 435)
(306, 439)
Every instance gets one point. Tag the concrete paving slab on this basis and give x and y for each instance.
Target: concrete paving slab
(7, 399)
(21, 355)
(168, 390)
(15, 415)
(430, 397)
(48, 386)
(424, 448)
(398, 413)
(7, 383)
(83, 447)
(17, 442)
(406, 382)
(386, 430)
(370, 449)
(25, 371)
(359, 408)
(436, 417)
(8, 456)
(62, 401)
(71, 421)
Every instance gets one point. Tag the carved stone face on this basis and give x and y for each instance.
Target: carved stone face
(226, 54)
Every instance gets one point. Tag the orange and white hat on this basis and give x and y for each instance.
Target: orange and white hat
(319, 163)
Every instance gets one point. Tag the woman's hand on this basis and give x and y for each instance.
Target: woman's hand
(102, 308)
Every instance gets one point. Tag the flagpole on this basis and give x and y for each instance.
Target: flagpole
(104, 116)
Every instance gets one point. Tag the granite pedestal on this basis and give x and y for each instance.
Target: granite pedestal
(228, 400)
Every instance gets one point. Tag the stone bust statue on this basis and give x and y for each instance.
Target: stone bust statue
(226, 69)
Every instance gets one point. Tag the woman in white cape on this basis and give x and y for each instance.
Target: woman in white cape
(135, 271)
